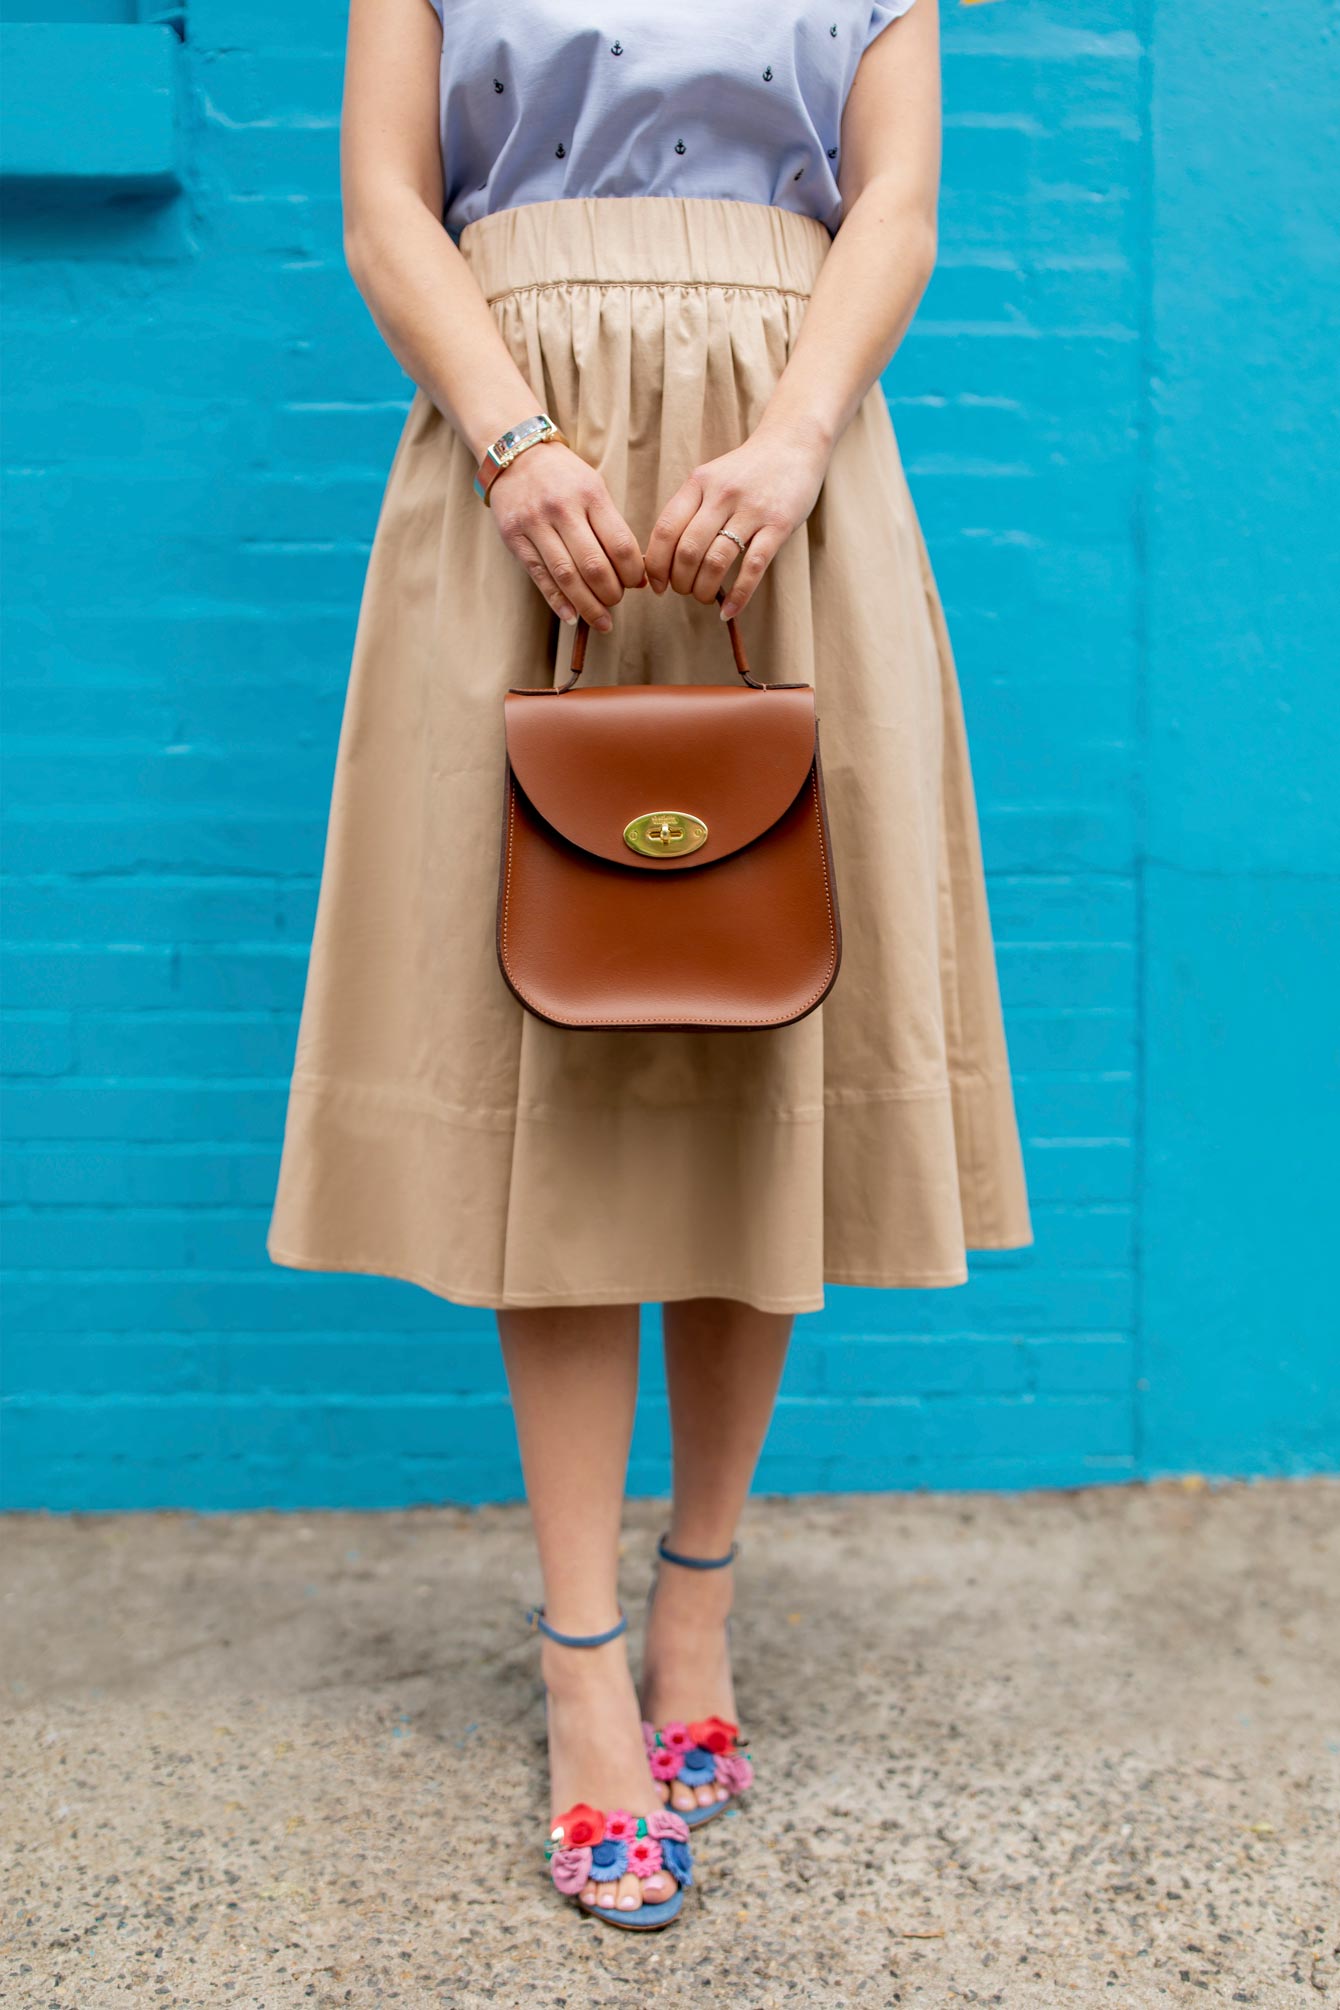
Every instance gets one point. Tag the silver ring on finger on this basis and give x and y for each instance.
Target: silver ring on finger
(723, 532)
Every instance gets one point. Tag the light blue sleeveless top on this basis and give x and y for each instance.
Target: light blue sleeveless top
(738, 98)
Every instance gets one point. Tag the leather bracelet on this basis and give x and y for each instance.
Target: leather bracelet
(504, 450)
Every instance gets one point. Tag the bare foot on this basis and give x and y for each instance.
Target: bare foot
(686, 1672)
(596, 1753)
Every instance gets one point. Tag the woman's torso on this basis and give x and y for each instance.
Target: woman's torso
(542, 99)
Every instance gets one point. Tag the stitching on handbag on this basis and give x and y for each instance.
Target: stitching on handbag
(828, 892)
(813, 999)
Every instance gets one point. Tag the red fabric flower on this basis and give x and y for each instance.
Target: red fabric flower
(714, 1734)
(582, 1827)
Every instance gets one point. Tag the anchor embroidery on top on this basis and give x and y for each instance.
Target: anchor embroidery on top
(616, 48)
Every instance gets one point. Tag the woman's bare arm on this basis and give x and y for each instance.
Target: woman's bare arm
(551, 508)
(867, 292)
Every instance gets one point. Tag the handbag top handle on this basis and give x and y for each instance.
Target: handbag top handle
(578, 663)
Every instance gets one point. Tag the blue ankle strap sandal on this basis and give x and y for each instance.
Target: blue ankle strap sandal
(591, 1845)
(707, 1753)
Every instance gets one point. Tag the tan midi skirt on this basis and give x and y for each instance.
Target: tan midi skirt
(435, 1130)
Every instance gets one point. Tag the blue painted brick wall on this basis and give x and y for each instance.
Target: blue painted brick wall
(200, 419)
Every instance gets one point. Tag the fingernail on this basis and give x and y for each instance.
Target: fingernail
(569, 613)
(604, 624)
(728, 609)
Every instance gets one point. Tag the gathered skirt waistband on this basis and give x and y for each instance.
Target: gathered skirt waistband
(645, 240)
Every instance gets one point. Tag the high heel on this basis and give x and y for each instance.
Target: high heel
(587, 1844)
(708, 1752)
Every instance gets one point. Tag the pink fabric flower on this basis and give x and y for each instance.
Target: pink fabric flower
(667, 1826)
(571, 1870)
(648, 1737)
(644, 1856)
(620, 1826)
(676, 1737)
(666, 1765)
(734, 1772)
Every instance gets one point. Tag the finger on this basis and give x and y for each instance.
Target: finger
(661, 545)
(718, 559)
(763, 548)
(620, 546)
(695, 541)
(591, 558)
(524, 551)
(550, 540)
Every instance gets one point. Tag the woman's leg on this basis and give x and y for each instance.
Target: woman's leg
(723, 1364)
(573, 1381)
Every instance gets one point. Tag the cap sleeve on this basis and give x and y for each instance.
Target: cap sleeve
(882, 13)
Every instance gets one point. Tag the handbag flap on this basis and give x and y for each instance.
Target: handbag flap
(591, 762)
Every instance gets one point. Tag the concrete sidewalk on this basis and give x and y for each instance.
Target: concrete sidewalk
(1045, 1750)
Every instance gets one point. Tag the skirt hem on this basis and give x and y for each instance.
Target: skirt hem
(289, 1259)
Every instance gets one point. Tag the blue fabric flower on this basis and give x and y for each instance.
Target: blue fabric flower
(609, 1861)
(699, 1768)
(678, 1860)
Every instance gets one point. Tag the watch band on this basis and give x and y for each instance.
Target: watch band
(504, 450)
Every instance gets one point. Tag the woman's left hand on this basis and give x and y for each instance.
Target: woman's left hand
(761, 490)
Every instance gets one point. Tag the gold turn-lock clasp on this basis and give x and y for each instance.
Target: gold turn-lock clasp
(665, 833)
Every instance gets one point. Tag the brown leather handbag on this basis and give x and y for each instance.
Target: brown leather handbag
(665, 853)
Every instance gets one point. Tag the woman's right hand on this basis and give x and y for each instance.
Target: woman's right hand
(557, 518)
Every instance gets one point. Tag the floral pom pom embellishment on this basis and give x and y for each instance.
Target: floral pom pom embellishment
(698, 1755)
(586, 1845)
(609, 1861)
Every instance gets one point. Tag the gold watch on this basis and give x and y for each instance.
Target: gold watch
(530, 433)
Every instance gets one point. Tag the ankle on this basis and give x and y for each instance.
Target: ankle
(694, 1596)
(572, 1670)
